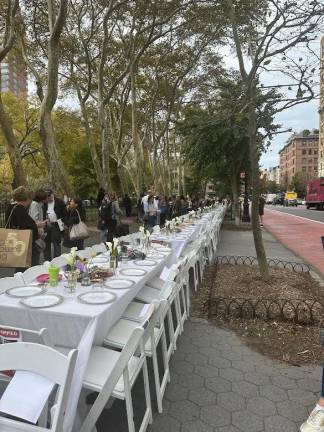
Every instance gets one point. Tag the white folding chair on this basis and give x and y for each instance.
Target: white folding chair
(31, 274)
(153, 335)
(113, 373)
(59, 261)
(169, 292)
(99, 248)
(85, 253)
(10, 282)
(44, 361)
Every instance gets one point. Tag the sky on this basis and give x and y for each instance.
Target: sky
(300, 117)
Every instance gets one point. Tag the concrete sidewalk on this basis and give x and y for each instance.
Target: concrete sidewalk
(220, 385)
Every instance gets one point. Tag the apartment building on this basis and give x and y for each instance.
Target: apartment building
(272, 174)
(299, 155)
(13, 75)
(321, 115)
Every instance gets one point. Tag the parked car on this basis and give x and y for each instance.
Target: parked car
(270, 197)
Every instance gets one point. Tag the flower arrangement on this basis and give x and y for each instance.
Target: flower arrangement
(71, 258)
(114, 247)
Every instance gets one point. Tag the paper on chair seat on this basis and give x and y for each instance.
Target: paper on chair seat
(165, 273)
(26, 396)
(144, 310)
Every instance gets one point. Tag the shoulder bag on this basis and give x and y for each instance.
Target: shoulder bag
(79, 231)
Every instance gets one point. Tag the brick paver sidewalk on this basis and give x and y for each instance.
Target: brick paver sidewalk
(300, 235)
(220, 385)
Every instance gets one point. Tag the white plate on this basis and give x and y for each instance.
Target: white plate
(162, 249)
(42, 301)
(119, 283)
(99, 260)
(26, 291)
(155, 256)
(97, 297)
(132, 272)
(145, 263)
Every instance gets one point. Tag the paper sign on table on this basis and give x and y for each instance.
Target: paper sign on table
(17, 400)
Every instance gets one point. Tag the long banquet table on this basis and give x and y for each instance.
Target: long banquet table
(76, 325)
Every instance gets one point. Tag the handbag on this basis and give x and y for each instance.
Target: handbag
(79, 231)
(15, 246)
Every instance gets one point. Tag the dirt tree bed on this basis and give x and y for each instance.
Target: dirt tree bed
(284, 341)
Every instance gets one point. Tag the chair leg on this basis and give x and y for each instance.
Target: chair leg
(173, 345)
(165, 354)
(147, 393)
(129, 402)
(156, 374)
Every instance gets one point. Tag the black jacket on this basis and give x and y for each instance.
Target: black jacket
(59, 208)
(20, 219)
(73, 217)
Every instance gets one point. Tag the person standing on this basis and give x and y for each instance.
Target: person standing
(56, 212)
(151, 209)
(75, 212)
(164, 209)
(261, 209)
(17, 217)
(112, 216)
(100, 196)
(127, 204)
(36, 211)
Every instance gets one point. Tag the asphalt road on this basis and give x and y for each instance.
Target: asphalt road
(312, 214)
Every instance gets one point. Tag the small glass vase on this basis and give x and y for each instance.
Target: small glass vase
(85, 281)
(72, 280)
(114, 263)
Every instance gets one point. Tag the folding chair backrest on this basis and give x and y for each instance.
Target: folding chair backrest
(44, 361)
(99, 248)
(10, 282)
(59, 261)
(34, 336)
(128, 351)
(85, 253)
(31, 274)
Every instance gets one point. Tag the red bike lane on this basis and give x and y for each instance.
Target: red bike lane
(300, 235)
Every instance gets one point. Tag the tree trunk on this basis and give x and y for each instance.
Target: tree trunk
(105, 149)
(58, 177)
(19, 178)
(57, 174)
(91, 143)
(255, 183)
(235, 192)
(135, 138)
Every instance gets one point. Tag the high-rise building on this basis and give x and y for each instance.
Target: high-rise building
(300, 155)
(321, 114)
(14, 74)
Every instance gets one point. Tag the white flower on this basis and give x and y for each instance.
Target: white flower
(141, 230)
(73, 251)
(69, 258)
(109, 245)
(148, 234)
(167, 224)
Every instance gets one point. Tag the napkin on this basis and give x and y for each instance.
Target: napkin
(26, 396)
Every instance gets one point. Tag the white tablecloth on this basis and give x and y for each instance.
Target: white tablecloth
(76, 325)
(179, 241)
